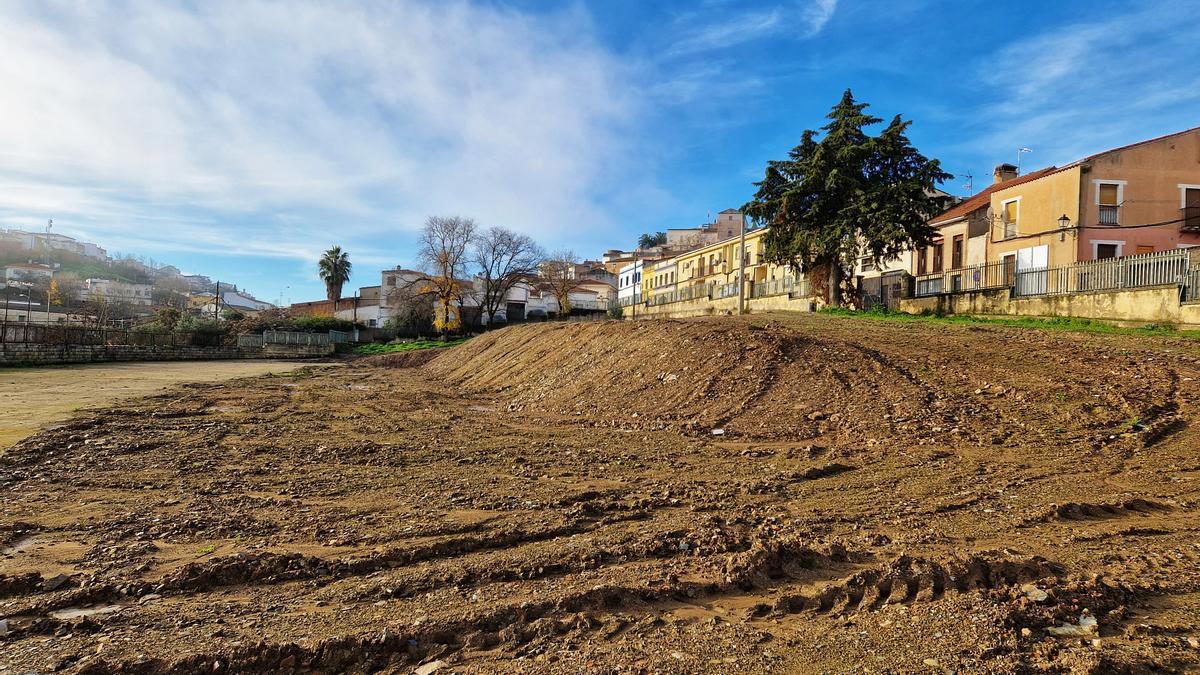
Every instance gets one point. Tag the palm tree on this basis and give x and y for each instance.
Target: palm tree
(334, 268)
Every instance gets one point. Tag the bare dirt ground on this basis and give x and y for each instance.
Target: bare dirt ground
(769, 494)
(31, 398)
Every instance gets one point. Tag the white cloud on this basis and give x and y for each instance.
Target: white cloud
(1076, 89)
(817, 14)
(727, 31)
(717, 27)
(373, 114)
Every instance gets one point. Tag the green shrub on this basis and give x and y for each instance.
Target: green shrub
(395, 347)
(320, 324)
(196, 324)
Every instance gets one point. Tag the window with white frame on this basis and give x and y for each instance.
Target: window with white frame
(1103, 249)
(1189, 204)
(1110, 194)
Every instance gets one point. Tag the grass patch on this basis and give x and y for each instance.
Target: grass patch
(1062, 323)
(393, 348)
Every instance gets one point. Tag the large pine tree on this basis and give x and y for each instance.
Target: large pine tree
(847, 195)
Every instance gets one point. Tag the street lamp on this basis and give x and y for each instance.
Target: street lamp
(1063, 223)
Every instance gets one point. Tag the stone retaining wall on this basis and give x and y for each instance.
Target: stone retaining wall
(29, 354)
(1156, 304)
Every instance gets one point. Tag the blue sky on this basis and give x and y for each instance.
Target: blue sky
(239, 139)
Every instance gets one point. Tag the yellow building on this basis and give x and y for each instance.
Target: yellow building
(716, 266)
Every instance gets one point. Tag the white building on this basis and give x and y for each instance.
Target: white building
(629, 282)
(25, 309)
(37, 241)
(243, 302)
(27, 272)
(117, 291)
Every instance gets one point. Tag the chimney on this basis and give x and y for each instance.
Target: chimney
(1003, 172)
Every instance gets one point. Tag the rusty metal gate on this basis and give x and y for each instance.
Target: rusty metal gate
(883, 291)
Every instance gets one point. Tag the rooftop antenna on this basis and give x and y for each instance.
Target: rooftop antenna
(969, 186)
(1021, 151)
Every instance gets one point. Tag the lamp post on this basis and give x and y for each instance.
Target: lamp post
(742, 269)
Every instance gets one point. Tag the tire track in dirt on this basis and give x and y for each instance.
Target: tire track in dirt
(910, 579)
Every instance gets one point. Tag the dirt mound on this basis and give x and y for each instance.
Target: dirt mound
(706, 377)
(763, 380)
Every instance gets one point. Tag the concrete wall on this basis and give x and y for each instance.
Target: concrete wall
(1158, 304)
(26, 354)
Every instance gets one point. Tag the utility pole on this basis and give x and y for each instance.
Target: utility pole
(742, 269)
(217, 301)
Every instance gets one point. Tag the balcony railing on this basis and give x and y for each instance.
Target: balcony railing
(996, 274)
(1191, 219)
(1110, 214)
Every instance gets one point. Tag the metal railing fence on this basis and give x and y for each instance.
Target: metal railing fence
(680, 294)
(781, 286)
(1190, 291)
(996, 274)
(287, 337)
(1135, 271)
(725, 290)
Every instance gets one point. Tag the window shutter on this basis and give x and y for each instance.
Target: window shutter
(1108, 195)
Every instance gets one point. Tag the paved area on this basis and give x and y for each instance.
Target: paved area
(33, 398)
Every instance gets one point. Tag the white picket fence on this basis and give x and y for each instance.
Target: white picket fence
(1134, 271)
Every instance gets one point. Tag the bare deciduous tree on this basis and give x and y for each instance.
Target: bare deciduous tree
(443, 256)
(558, 275)
(170, 292)
(503, 258)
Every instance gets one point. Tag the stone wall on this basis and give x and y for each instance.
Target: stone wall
(28, 354)
(1157, 304)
